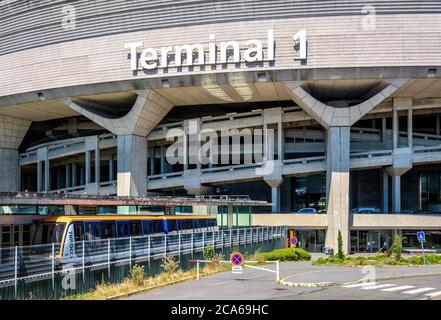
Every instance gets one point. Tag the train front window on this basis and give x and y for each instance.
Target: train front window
(49, 233)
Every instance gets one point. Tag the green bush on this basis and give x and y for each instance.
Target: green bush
(209, 252)
(287, 254)
(137, 274)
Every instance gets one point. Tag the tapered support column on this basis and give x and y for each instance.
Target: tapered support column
(337, 186)
(97, 165)
(87, 165)
(276, 199)
(132, 165)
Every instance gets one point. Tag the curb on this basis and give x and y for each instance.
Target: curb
(329, 284)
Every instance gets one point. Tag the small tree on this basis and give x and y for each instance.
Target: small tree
(396, 247)
(169, 265)
(340, 253)
(137, 274)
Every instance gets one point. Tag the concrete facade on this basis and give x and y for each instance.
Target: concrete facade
(343, 121)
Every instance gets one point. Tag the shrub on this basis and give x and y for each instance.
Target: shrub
(303, 254)
(136, 275)
(209, 252)
(169, 265)
(340, 253)
(287, 254)
(396, 247)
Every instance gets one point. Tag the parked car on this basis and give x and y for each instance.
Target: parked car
(365, 210)
(307, 210)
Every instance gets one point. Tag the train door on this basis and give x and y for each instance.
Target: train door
(92, 234)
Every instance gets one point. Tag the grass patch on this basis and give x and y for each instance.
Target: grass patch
(379, 260)
(137, 281)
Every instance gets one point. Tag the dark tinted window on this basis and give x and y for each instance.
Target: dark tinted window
(158, 226)
(147, 227)
(135, 229)
(79, 232)
(109, 230)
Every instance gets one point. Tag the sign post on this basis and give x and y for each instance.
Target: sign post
(236, 260)
(422, 238)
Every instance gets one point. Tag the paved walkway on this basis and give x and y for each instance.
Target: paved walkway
(256, 284)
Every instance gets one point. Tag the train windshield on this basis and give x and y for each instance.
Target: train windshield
(49, 233)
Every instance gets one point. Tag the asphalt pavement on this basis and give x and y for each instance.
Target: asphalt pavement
(413, 283)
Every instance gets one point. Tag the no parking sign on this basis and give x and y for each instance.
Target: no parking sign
(294, 241)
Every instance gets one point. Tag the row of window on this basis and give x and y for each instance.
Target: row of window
(120, 229)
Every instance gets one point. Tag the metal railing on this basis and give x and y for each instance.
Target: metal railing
(21, 263)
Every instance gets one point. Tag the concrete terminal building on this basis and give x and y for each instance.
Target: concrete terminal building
(89, 91)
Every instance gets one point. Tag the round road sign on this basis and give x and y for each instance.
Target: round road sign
(294, 241)
(236, 259)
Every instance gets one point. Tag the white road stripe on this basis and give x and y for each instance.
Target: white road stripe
(358, 285)
(433, 294)
(378, 287)
(400, 288)
(419, 290)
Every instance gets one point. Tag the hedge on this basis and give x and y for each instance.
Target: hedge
(287, 254)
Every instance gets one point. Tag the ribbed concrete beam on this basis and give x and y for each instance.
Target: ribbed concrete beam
(146, 113)
(329, 116)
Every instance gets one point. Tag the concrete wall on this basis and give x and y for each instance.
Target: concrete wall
(333, 42)
(313, 221)
(9, 170)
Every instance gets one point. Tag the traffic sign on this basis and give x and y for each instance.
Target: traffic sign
(421, 236)
(236, 259)
(294, 241)
(236, 269)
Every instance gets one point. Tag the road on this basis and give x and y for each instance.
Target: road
(260, 285)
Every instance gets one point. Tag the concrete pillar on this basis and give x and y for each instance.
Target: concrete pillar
(152, 161)
(39, 176)
(132, 165)
(337, 186)
(385, 192)
(276, 199)
(162, 158)
(97, 165)
(409, 128)
(47, 176)
(395, 127)
(384, 132)
(280, 140)
(67, 185)
(111, 178)
(396, 193)
(9, 170)
(87, 166)
(74, 174)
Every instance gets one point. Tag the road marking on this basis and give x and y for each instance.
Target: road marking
(400, 288)
(378, 287)
(433, 294)
(358, 285)
(419, 290)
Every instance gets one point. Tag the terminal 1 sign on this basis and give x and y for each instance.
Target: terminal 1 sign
(198, 54)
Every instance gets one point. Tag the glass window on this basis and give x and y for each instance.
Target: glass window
(26, 234)
(187, 224)
(147, 227)
(158, 226)
(49, 232)
(6, 235)
(79, 232)
(172, 225)
(135, 229)
(108, 230)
